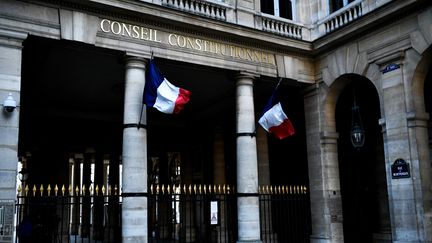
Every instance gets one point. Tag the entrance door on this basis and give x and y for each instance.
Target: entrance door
(362, 169)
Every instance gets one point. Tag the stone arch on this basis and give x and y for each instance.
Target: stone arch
(346, 59)
(420, 124)
(333, 93)
(364, 195)
(418, 81)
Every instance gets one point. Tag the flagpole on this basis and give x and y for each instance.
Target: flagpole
(277, 86)
(143, 103)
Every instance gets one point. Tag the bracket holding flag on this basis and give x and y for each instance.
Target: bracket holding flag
(274, 120)
(161, 94)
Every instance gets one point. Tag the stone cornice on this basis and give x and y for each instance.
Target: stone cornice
(167, 18)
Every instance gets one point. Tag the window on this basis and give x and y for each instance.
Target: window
(278, 8)
(335, 5)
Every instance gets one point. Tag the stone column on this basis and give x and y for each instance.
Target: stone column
(98, 201)
(406, 138)
(134, 208)
(10, 82)
(85, 199)
(324, 185)
(75, 200)
(247, 166)
(112, 230)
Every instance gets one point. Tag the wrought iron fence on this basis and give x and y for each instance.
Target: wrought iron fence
(192, 213)
(45, 214)
(182, 213)
(285, 214)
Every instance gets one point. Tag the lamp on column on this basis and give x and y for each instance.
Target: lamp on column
(357, 131)
(9, 104)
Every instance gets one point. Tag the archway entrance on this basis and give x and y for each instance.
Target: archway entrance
(428, 104)
(362, 169)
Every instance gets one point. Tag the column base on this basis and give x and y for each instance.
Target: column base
(249, 241)
(322, 239)
(382, 237)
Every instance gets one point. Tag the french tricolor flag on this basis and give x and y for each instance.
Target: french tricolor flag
(161, 94)
(275, 121)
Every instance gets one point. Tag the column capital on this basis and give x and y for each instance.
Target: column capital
(245, 77)
(135, 62)
(12, 38)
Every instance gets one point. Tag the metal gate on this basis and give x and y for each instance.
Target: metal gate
(182, 213)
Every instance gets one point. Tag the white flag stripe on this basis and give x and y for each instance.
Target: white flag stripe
(273, 117)
(167, 95)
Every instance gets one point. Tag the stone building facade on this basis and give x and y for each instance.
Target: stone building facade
(325, 50)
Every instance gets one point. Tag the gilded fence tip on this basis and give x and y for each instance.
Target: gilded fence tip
(49, 189)
(34, 190)
(19, 189)
(97, 190)
(103, 189)
(163, 188)
(228, 189)
(26, 189)
(190, 189)
(56, 189)
(199, 189)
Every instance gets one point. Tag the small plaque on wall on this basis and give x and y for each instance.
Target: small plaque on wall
(400, 169)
